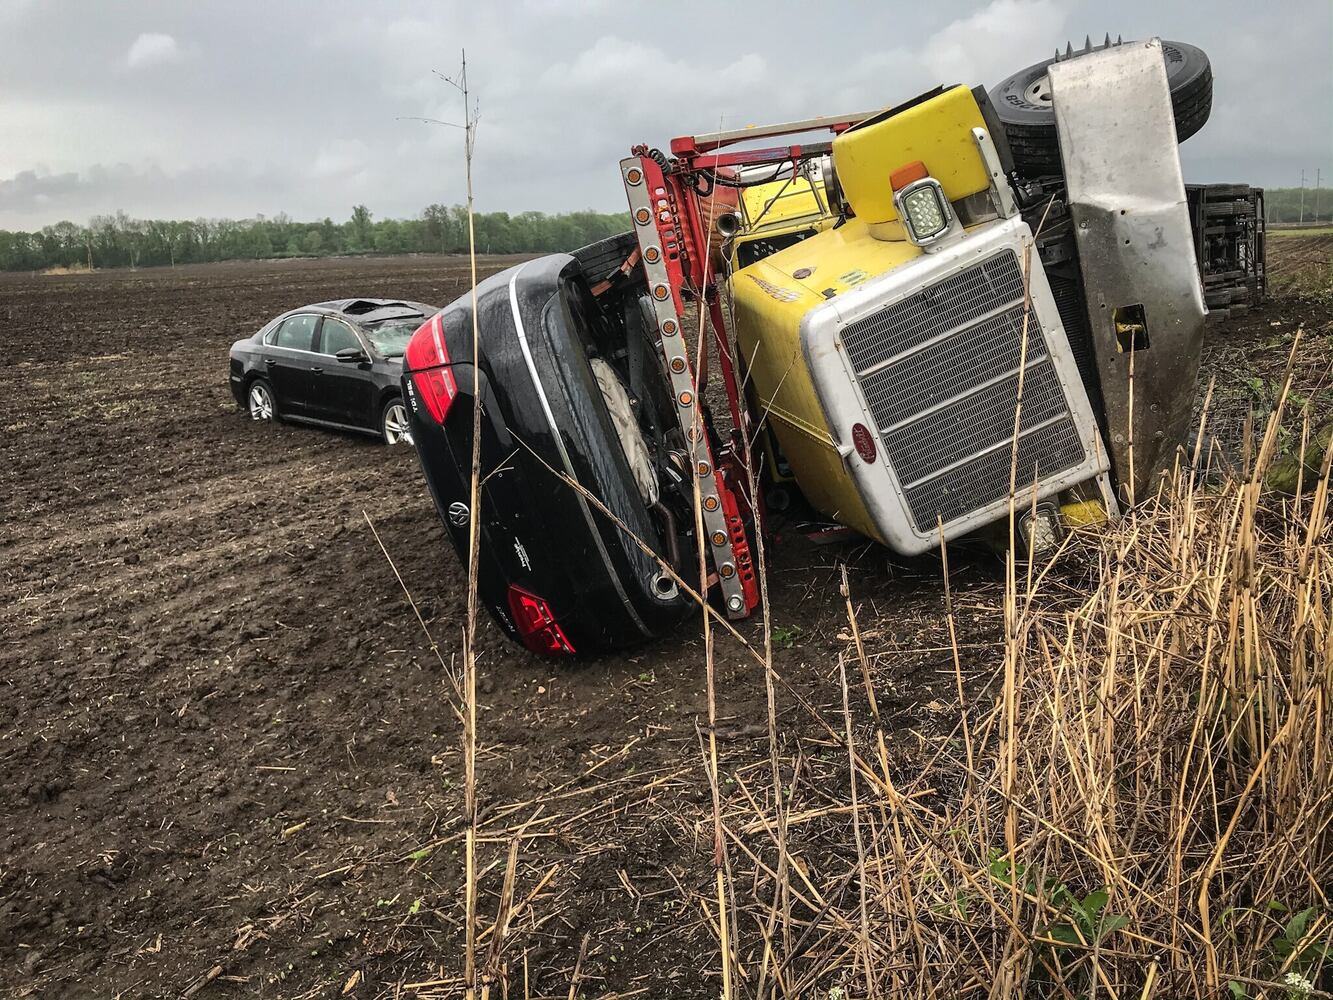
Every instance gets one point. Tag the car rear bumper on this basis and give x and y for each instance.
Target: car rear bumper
(236, 380)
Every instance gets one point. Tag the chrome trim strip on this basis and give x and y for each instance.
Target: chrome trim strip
(1004, 194)
(564, 455)
(330, 423)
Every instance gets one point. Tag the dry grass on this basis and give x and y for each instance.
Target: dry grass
(1136, 799)
(1149, 805)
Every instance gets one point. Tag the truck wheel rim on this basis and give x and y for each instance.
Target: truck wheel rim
(396, 427)
(261, 403)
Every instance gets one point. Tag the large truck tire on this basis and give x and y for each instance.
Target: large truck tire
(1023, 104)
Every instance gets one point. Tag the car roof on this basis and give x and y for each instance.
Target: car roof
(372, 310)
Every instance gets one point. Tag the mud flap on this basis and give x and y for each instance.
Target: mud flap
(1136, 251)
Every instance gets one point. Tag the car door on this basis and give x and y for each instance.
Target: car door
(345, 391)
(288, 354)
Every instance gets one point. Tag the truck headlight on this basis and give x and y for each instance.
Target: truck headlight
(924, 210)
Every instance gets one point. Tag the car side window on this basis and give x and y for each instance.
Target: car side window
(337, 336)
(297, 333)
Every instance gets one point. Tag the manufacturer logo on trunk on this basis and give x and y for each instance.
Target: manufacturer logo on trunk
(458, 513)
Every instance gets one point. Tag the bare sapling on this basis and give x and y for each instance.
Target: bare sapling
(469, 685)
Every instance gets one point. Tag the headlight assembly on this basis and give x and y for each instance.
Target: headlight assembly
(924, 210)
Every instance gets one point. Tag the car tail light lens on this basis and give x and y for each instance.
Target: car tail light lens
(536, 625)
(427, 359)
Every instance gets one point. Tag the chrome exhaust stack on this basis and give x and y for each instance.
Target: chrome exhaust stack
(728, 224)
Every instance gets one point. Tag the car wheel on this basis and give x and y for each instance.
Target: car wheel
(1023, 104)
(395, 426)
(259, 401)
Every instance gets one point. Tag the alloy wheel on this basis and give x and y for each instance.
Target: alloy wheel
(261, 402)
(397, 428)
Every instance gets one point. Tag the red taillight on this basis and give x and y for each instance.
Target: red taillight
(536, 626)
(427, 359)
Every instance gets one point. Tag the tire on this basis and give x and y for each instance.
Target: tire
(603, 257)
(260, 402)
(395, 423)
(1023, 104)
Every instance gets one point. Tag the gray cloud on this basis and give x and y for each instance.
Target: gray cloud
(152, 48)
(169, 109)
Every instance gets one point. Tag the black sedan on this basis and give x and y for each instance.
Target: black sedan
(571, 388)
(334, 364)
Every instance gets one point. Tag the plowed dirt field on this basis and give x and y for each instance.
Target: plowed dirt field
(229, 761)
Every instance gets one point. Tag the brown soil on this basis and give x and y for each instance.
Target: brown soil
(227, 750)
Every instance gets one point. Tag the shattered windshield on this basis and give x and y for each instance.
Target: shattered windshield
(389, 337)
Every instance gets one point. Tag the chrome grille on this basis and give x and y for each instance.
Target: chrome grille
(985, 479)
(944, 306)
(939, 371)
(926, 378)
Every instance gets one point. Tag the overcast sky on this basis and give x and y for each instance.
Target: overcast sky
(180, 109)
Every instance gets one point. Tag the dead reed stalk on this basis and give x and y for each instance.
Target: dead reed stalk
(1141, 807)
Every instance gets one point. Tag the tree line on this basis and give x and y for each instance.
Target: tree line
(121, 241)
(1284, 204)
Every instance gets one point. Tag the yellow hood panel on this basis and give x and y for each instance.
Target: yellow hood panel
(836, 259)
(938, 132)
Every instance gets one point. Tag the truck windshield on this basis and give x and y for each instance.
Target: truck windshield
(389, 337)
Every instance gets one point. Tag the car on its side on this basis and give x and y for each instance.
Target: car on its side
(332, 364)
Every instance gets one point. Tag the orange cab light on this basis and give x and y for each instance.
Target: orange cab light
(906, 174)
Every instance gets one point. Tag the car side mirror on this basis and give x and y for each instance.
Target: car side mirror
(351, 356)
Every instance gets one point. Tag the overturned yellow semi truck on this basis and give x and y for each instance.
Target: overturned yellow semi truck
(915, 319)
